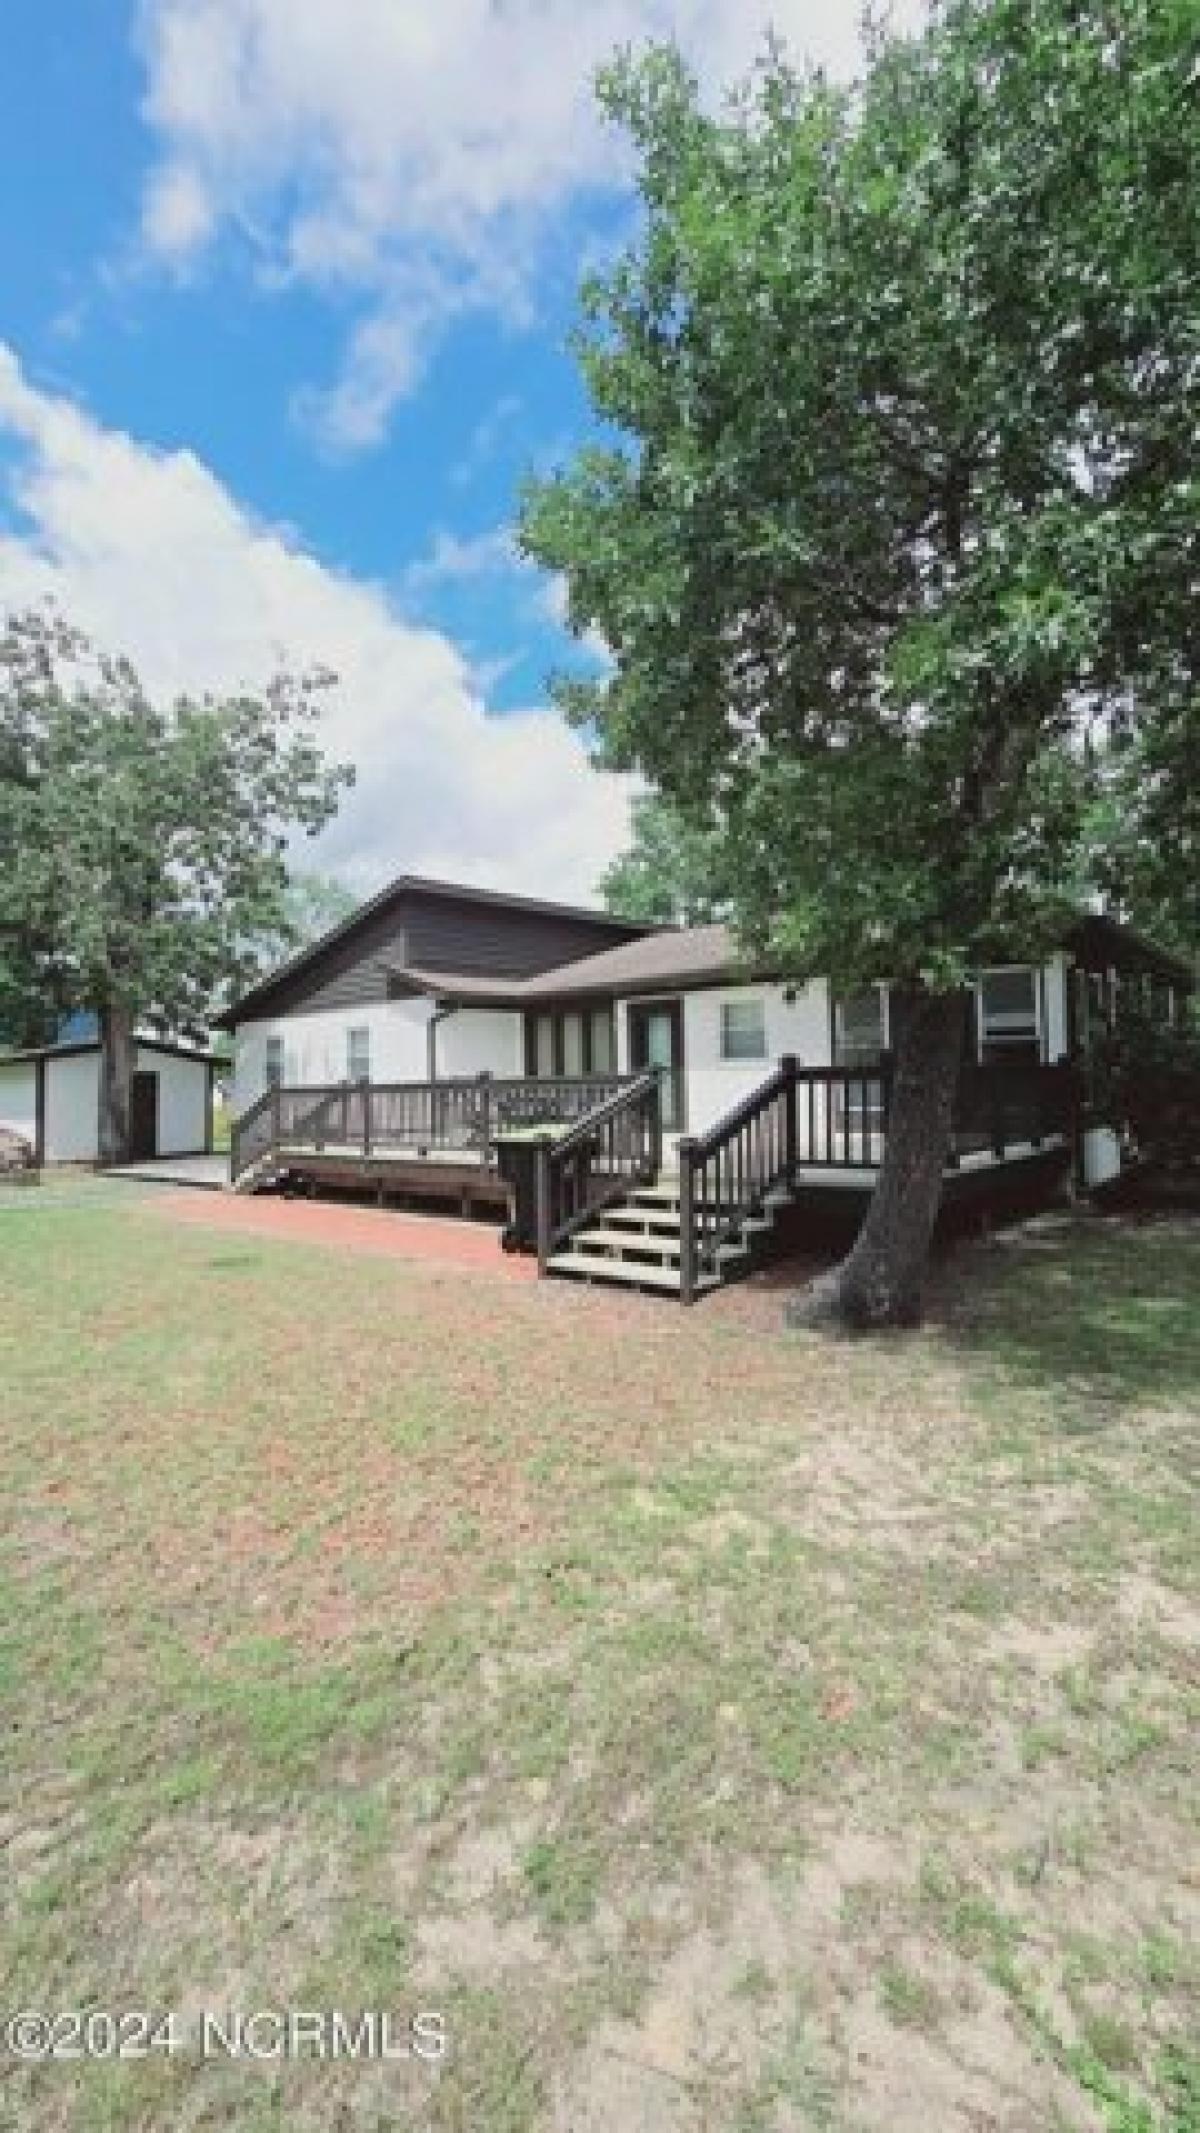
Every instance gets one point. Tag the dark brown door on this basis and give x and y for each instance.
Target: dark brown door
(143, 1120)
(656, 1040)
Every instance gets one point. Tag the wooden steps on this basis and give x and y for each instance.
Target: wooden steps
(634, 1244)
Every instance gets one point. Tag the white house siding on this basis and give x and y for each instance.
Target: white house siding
(479, 1040)
(714, 1085)
(1056, 980)
(73, 1108)
(182, 1101)
(18, 1099)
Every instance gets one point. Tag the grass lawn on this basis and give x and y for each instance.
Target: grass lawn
(727, 1731)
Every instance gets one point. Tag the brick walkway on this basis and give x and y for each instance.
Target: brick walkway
(374, 1231)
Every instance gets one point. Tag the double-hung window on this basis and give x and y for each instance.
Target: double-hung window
(358, 1054)
(1008, 1015)
(859, 1033)
(274, 1062)
(743, 1029)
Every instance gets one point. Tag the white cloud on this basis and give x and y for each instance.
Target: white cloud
(150, 554)
(413, 151)
(178, 212)
(457, 560)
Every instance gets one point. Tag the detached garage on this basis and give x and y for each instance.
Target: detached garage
(51, 1097)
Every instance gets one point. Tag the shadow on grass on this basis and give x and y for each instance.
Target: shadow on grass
(1103, 1313)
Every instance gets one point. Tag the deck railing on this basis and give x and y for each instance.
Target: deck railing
(429, 1118)
(583, 1171)
(836, 1118)
(1006, 1104)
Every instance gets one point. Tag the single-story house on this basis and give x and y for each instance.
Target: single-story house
(50, 1096)
(435, 981)
(693, 1095)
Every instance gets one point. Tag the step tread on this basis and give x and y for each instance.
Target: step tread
(625, 1240)
(585, 1265)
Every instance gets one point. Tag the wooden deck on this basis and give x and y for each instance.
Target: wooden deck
(580, 1170)
(439, 1175)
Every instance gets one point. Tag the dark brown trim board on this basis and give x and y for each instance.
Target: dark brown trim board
(39, 1131)
(639, 1013)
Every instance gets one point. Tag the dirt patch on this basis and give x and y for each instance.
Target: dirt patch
(380, 1233)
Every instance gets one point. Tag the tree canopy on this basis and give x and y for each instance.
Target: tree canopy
(142, 845)
(892, 531)
(896, 540)
(672, 872)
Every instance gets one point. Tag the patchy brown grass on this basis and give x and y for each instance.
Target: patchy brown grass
(728, 1730)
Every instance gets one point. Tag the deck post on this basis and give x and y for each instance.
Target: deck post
(656, 1125)
(276, 1116)
(788, 1068)
(366, 1097)
(485, 1115)
(543, 1146)
(687, 1223)
(998, 1118)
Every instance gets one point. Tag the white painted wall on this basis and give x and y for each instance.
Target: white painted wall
(481, 1040)
(715, 1085)
(1057, 979)
(18, 1099)
(73, 1108)
(472, 1041)
(182, 1101)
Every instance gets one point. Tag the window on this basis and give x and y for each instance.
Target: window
(274, 1062)
(859, 1035)
(743, 1029)
(358, 1054)
(542, 1048)
(572, 1044)
(602, 1042)
(1008, 1015)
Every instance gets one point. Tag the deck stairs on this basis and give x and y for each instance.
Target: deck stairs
(635, 1242)
(261, 1175)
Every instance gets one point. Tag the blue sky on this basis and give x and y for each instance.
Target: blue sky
(286, 286)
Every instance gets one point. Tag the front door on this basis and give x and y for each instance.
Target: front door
(656, 1040)
(143, 1118)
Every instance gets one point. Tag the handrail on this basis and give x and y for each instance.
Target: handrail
(240, 1131)
(593, 1164)
(637, 1086)
(462, 1112)
(740, 1113)
(725, 1174)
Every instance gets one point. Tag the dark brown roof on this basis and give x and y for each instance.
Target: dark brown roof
(422, 885)
(688, 955)
(683, 955)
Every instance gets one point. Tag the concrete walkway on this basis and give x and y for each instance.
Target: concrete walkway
(209, 1172)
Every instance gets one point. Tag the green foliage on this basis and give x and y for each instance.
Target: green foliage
(142, 847)
(313, 903)
(672, 873)
(895, 544)
(1145, 1074)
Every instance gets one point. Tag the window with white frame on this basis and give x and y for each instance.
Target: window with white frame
(603, 1041)
(358, 1054)
(1009, 1024)
(274, 1062)
(572, 1045)
(744, 1029)
(859, 1028)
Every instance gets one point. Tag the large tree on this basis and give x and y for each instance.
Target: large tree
(142, 845)
(895, 539)
(672, 872)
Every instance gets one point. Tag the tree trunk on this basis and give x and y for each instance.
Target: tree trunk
(881, 1280)
(117, 1058)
